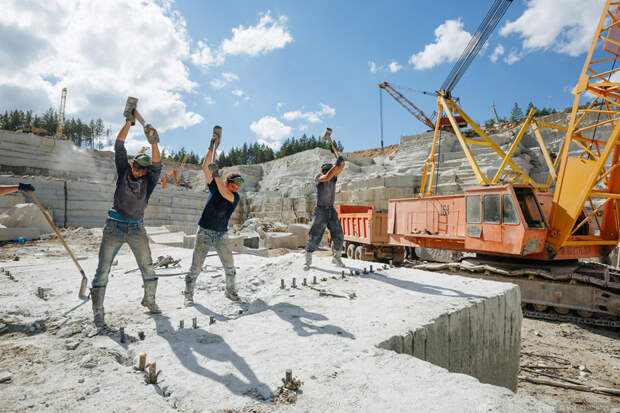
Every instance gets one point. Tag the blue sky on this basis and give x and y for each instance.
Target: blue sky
(268, 70)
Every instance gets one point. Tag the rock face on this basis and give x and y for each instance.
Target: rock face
(77, 185)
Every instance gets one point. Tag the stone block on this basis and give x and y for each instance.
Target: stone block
(281, 240)
(300, 231)
(189, 241)
(26, 216)
(12, 234)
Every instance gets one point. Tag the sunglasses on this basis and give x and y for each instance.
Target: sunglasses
(237, 181)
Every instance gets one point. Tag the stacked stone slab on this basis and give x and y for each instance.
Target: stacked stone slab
(76, 185)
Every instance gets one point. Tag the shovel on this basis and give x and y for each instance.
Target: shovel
(82, 293)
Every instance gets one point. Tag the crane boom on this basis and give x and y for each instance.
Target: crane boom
(407, 104)
(591, 176)
(61, 113)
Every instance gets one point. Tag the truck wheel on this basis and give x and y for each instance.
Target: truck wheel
(360, 252)
(351, 251)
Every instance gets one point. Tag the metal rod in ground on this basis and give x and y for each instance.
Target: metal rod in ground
(84, 283)
(211, 320)
(282, 286)
(153, 373)
(142, 362)
(371, 268)
(195, 322)
(288, 376)
(122, 333)
(141, 335)
(294, 283)
(305, 282)
(181, 323)
(314, 280)
(391, 264)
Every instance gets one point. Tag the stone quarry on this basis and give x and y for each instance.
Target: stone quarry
(360, 339)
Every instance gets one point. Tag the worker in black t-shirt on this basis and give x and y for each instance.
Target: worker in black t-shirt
(213, 225)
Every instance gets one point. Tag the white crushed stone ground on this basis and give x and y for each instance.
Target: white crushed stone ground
(238, 362)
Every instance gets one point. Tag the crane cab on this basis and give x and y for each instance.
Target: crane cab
(504, 220)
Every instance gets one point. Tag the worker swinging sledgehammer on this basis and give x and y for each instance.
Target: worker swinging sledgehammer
(324, 214)
(134, 185)
(213, 225)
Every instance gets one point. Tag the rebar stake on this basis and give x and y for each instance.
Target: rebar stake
(181, 324)
(342, 276)
(282, 284)
(153, 373)
(314, 280)
(195, 322)
(391, 264)
(211, 320)
(365, 271)
(122, 332)
(288, 376)
(141, 336)
(294, 283)
(351, 273)
(305, 283)
(142, 362)
(371, 268)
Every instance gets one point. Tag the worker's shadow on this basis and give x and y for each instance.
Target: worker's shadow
(213, 347)
(423, 288)
(294, 314)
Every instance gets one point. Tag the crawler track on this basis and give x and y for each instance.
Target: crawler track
(580, 292)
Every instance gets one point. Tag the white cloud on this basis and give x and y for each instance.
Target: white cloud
(204, 57)
(565, 26)
(303, 127)
(238, 92)
(209, 100)
(497, 52)
(268, 35)
(373, 67)
(395, 66)
(312, 117)
(280, 105)
(450, 41)
(87, 47)
(270, 131)
(512, 57)
(275, 145)
(229, 77)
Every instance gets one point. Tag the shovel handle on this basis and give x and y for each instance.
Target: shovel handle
(139, 117)
(49, 221)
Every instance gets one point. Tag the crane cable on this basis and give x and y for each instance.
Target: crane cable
(493, 16)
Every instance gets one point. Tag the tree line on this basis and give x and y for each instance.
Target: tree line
(93, 133)
(517, 114)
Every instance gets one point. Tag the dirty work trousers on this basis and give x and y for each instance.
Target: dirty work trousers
(207, 239)
(115, 234)
(325, 218)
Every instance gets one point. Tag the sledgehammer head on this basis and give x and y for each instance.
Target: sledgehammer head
(327, 135)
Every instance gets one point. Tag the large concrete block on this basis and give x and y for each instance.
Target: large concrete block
(300, 231)
(26, 216)
(281, 240)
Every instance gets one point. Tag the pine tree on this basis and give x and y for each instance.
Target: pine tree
(517, 114)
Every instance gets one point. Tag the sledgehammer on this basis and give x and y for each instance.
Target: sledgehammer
(82, 293)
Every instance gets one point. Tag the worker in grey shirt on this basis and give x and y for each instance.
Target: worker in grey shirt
(135, 184)
(324, 214)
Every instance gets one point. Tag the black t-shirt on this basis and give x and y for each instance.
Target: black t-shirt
(218, 210)
(132, 195)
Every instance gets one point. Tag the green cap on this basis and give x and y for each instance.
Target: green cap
(142, 160)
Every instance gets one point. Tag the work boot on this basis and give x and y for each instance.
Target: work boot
(231, 291)
(308, 261)
(150, 288)
(97, 294)
(338, 259)
(190, 284)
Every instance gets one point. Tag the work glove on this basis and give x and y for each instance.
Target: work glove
(25, 187)
(151, 134)
(339, 160)
(130, 107)
(215, 172)
(217, 138)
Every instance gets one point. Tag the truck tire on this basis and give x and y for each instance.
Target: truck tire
(351, 251)
(360, 251)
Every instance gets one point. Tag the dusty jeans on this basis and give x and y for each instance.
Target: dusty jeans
(325, 218)
(115, 234)
(209, 239)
